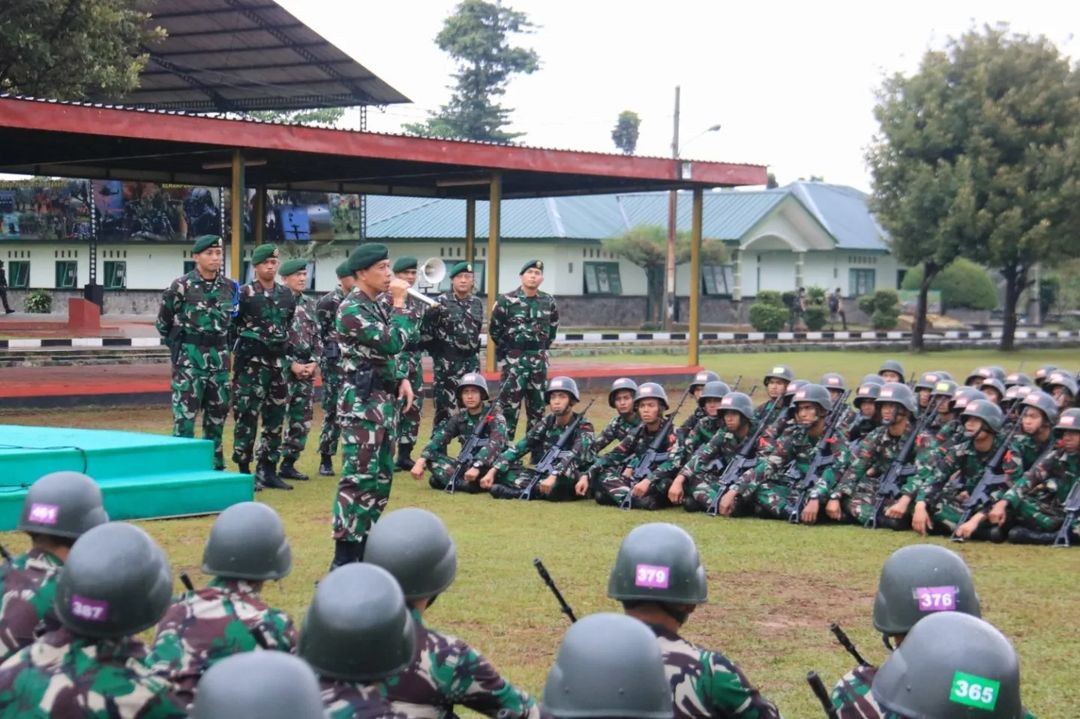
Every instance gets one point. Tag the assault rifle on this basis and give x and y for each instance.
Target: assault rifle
(823, 458)
(735, 385)
(549, 462)
(471, 448)
(742, 461)
(902, 467)
(847, 644)
(993, 479)
(543, 572)
(822, 694)
(1072, 510)
(655, 454)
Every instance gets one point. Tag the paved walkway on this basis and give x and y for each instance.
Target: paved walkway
(26, 325)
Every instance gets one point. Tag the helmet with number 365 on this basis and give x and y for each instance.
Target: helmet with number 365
(658, 562)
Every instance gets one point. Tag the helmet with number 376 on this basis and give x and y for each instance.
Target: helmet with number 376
(658, 562)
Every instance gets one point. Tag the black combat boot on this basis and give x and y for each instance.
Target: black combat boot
(692, 505)
(244, 467)
(501, 491)
(268, 476)
(326, 466)
(289, 471)
(347, 553)
(404, 457)
(1023, 535)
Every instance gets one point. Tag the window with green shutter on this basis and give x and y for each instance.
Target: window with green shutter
(67, 275)
(115, 275)
(18, 275)
(602, 278)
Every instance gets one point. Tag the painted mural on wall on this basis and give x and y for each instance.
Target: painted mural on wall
(53, 211)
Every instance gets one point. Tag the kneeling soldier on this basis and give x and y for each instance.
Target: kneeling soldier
(708, 461)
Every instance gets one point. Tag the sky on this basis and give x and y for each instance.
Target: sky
(792, 84)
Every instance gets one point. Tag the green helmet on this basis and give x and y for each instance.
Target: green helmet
(951, 666)
(472, 379)
(116, 582)
(987, 411)
(833, 380)
(738, 402)
(62, 504)
(651, 390)
(920, 579)
(658, 562)
(994, 384)
(621, 384)
(414, 546)
(247, 541)
(892, 366)
(259, 685)
(900, 394)
(927, 380)
(562, 384)
(1069, 421)
(1061, 379)
(780, 371)
(1044, 403)
(609, 665)
(1043, 373)
(872, 379)
(978, 375)
(1018, 378)
(794, 386)
(703, 377)
(965, 396)
(713, 390)
(944, 388)
(1017, 393)
(814, 394)
(357, 627)
(867, 392)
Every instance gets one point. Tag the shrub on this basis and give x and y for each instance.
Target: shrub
(883, 307)
(885, 319)
(962, 284)
(815, 317)
(816, 295)
(39, 302)
(769, 297)
(768, 317)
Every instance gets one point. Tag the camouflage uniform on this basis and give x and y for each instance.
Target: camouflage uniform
(614, 486)
(461, 425)
(411, 360)
(698, 436)
(305, 345)
(27, 590)
(259, 382)
(448, 672)
(351, 700)
(935, 485)
(372, 334)
(702, 477)
(690, 423)
(707, 684)
(573, 460)
(857, 486)
(194, 321)
(851, 696)
(63, 675)
(616, 430)
(768, 485)
(329, 369)
(454, 345)
(203, 627)
(1037, 498)
(522, 329)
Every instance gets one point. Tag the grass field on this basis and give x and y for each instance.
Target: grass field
(774, 587)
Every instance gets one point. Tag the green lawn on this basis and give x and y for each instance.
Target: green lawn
(774, 587)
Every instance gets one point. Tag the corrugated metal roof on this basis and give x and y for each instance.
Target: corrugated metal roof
(844, 212)
(726, 215)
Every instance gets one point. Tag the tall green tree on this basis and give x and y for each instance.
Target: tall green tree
(73, 49)
(314, 116)
(625, 134)
(478, 36)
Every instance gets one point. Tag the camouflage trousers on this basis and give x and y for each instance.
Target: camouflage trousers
(368, 469)
(331, 427)
(947, 511)
(442, 468)
(704, 489)
(770, 501)
(259, 388)
(298, 413)
(861, 506)
(409, 422)
(205, 391)
(519, 476)
(1041, 516)
(444, 388)
(524, 377)
(615, 487)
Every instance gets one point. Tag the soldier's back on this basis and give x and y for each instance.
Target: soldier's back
(27, 590)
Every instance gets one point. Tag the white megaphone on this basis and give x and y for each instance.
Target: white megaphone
(431, 273)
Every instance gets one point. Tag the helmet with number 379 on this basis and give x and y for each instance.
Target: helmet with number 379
(658, 562)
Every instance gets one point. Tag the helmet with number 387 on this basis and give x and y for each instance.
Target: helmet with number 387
(658, 562)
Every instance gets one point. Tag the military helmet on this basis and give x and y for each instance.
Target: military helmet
(413, 545)
(867, 392)
(1017, 393)
(1043, 373)
(814, 394)
(892, 366)
(472, 379)
(794, 386)
(608, 665)
(780, 371)
(703, 377)
(872, 379)
(900, 394)
(357, 627)
(562, 384)
(951, 665)
(62, 504)
(658, 562)
(623, 383)
(987, 411)
(979, 374)
(944, 374)
(1058, 378)
(920, 579)
(116, 582)
(713, 390)
(834, 380)
(994, 384)
(650, 390)
(247, 541)
(945, 388)
(997, 372)
(927, 380)
(738, 402)
(259, 685)
(965, 396)
(1069, 421)
(1044, 403)
(1018, 378)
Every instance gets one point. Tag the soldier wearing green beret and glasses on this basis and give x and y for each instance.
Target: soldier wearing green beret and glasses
(261, 367)
(329, 368)
(303, 351)
(405, 269)
(451, 333)
(523, 326)
(194, 320)
(372, 333)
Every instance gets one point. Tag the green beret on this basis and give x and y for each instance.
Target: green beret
(404, 263)
(459, 268)
(205, 242)
(262, 253)
(343, 270)
(538, 264)
(291, 267)
(366, 255)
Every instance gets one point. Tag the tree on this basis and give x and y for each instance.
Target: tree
(962, 284)
(625, 134)
(476, 35)
(315, 116)
(770, 182)
(71, 50)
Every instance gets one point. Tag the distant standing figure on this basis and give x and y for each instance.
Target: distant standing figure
(836, 308)
(3, 289)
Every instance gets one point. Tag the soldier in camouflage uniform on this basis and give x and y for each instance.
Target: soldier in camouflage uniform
(906, 594)
(330, 368)
(260, 385)
(621, 399)
(302, 354)
(415, 547)
(697, 385)
(659, 579)
(193, 321)
(523, 326)
(58, 509)
(776, 382)
(698, 435)
(508, 477)
(452, 337)
(476, 415)
(247, 546)
(411, 359)
(259, 685)
(1062, 386)
(865, 418)
(357, 635)
(371, 334)
(892, 371)
(706, 464)
(116, 582)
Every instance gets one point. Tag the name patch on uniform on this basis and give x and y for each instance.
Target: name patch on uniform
(974, 691)
(652, 577)
(91, 610)
(44, 513)
(936, 599)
